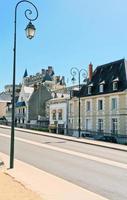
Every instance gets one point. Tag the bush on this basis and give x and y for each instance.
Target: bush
(41, 129)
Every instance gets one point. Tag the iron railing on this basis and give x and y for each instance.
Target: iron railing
(89, 134)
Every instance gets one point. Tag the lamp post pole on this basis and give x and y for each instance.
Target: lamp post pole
(30, 31)
(76, 72)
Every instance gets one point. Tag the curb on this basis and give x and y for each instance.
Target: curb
(73, 140)
(78, 140)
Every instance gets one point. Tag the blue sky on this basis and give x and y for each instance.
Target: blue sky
(70, 33)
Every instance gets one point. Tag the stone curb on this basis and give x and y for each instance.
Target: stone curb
(79, 140)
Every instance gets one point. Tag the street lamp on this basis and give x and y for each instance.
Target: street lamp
(30, 32)
(78, 72)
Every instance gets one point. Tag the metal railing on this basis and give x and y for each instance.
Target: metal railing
(89, 134)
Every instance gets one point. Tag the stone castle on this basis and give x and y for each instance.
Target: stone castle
(46, 77)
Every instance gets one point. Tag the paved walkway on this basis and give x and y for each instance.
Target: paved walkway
(10, 189)
(49, 187)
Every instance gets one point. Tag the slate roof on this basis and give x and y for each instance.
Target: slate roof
(106, 74)
(6, 97)
(25, 73)
(47, 78)
(20, 104)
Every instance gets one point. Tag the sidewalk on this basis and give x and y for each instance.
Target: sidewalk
(47, 186)
(10, 189)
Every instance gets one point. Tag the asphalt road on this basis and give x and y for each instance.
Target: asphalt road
(81, 164)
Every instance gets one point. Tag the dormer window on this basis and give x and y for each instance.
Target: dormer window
(54, 95)
(115, 84)
(90, 88)
(101, 86)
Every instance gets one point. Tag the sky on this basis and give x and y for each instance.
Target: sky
(69, 33)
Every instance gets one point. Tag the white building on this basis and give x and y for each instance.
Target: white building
(58, 113)
(22, 111)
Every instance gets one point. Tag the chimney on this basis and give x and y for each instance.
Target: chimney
(43, 71)
(90, 71)
(50, 70)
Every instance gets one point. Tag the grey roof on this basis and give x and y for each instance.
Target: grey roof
(47, 77)
(5, 97)
(25, 73)
(107, 73)
(20, 104)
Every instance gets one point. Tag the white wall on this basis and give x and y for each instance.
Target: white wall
(57, 106)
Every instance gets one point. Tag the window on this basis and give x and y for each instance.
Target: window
(23, 110)
(88, 107)
(114, 125)
(88, 124)
(114, 103)
(101, 88)
(71, 106)
(100, 104)
(71, 121)
(89, 89)
(54, 114)
(115, 86)
(60, 115)
(100, 125)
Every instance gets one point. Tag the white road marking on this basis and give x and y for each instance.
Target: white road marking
(82, 155)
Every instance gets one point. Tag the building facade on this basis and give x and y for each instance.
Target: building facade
(103, 101)
(58, 113)
(22, 111)
(6, 101)
(35, 92)
(37, 105)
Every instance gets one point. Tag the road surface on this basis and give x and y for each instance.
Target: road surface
(97, 169)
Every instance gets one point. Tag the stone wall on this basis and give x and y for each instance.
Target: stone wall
(37, 103)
